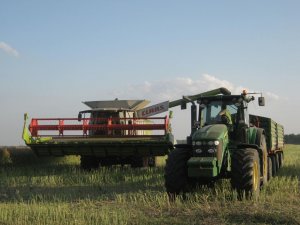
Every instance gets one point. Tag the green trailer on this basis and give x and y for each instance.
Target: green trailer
(110, 132)
(274, 133)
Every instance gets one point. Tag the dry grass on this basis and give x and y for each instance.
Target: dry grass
(56, 191)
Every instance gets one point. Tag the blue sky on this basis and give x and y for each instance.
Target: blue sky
(55, 54)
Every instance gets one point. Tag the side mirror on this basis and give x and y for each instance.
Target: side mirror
(183, 105)
(261, 101)
(79, 117)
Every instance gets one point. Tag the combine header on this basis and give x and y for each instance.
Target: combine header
(110, 132)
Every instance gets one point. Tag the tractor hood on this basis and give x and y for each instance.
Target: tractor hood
(211, 132)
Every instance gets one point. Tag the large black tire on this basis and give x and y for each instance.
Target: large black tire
(274, 165)
(176, 176)
(246, 172)
(269, 168)
(280, 159)
(277, 162)
(89, 162)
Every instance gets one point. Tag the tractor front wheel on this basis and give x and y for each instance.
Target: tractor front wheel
(176, 176)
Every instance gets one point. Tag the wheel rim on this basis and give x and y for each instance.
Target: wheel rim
(255, 176)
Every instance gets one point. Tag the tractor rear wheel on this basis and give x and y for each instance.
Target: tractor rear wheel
(89, 162)
(246, 172)
(176, 175)
(261, 142)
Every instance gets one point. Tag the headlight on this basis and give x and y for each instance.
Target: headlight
(212, 150)
(198, 151)
(210, 143)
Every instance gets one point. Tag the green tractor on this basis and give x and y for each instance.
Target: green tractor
(226, 142)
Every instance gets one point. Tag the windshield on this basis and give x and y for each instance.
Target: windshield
(215, 111)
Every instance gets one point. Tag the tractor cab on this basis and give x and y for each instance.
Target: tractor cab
(229, 110)
(115, 112)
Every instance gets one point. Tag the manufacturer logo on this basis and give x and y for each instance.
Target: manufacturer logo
(153, 110)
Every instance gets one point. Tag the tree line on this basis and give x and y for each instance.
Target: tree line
(292, 138)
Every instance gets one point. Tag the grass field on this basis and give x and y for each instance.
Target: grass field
(56, 191)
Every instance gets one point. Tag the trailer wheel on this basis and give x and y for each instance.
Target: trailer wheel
(274, 165)
(89, 162)
(176, 176)
(277, 162)
(280, 159)
(269, 168)
(246, 172)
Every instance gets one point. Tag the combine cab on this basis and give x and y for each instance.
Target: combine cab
(109, 133)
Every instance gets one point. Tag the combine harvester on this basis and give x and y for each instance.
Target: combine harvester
(111, 132)
(226, 142)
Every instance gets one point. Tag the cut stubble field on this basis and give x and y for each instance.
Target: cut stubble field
(56, 191)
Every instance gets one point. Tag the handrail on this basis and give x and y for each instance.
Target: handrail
(106, 126)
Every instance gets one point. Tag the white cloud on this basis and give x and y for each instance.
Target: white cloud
(8, 49)
(162, 90)
(172, 89)
(272, 96)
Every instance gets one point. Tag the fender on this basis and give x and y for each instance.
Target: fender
(259, 134)
(256, 145)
